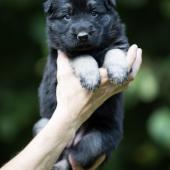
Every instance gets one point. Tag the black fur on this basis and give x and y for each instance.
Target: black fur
(99, 18)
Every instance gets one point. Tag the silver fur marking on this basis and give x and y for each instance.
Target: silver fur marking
(116, 65)
(86, 68)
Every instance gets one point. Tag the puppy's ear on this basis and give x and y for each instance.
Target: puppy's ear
(47, 5)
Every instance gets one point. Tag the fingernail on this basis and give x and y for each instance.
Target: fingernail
(135, 46)
(139, 53)
(140, 50)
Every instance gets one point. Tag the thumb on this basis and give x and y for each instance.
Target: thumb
(131, 55)
(63, 65)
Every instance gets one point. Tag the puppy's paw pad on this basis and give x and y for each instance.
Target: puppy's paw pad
(90, 82)
(117, 74)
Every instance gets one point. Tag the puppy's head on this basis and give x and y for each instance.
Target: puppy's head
(81, 25)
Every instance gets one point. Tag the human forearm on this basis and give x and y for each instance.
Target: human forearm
(44, 149)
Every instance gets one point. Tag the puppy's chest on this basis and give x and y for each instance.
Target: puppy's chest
(97, 55)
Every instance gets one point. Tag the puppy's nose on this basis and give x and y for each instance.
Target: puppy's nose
(82, 36)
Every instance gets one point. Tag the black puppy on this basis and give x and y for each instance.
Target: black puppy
(91, 34)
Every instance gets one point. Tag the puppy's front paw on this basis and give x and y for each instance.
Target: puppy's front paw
(90, 80)
(86, 68)
(116, 65)
(117, 74)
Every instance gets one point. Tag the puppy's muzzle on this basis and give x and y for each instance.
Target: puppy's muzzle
(82, 31)
(83, 36)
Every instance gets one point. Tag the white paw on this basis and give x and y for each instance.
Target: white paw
(90, 80)
(117, 74)
(116, 65)
(86, 68)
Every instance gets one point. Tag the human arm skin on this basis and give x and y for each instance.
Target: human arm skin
(75, 106)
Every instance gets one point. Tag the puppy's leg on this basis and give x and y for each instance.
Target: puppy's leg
(91, 147)
(116, 65)
(87, 69)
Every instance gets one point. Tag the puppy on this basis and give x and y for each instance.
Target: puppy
(91, 34)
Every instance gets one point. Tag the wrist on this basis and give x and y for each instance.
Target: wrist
(63, 120)
(70, 117)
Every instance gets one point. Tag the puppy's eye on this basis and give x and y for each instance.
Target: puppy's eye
(94, 13)
(67, 17)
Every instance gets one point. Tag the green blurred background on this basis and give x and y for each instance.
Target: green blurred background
(23, 51)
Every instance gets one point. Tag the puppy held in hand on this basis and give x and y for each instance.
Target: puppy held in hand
(91, 34)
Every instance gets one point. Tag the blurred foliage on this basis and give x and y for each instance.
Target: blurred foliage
(146, 144)
(158, 126)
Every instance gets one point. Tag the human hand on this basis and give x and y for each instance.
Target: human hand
(77, 102)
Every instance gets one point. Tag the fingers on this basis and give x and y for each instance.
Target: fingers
(136, 65)
(131, 56)
(63, 64)
(103, 75)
